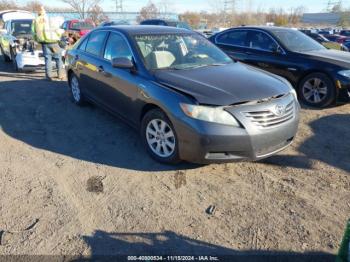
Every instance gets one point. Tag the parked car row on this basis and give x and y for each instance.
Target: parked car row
(231, 97)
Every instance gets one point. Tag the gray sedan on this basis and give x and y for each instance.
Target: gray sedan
(189, 100)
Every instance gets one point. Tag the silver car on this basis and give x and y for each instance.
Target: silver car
(189, 100)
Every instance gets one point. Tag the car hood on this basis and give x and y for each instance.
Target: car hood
(224, 85)
(336, 57)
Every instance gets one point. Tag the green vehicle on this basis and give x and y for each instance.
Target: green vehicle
(344, 252)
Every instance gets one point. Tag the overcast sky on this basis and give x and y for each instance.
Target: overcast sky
(205, 5)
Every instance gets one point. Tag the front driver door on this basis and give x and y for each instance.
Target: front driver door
(120, 86)
(264, 52)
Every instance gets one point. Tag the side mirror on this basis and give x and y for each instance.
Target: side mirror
(122, 63)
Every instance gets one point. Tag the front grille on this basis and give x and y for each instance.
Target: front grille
(269, 119)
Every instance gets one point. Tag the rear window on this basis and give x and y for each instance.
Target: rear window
(82, 26)
(235, 38)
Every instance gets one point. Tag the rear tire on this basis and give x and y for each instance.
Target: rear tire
(159, 137)
(75, 90)
(317, 90)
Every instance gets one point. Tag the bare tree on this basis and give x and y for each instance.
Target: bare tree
(148, 12)
(97, 15)
(82, 7)
(295, 14)
(218, 6)
(8, 4)
(192, 18)
(164, 6)
(33, 6)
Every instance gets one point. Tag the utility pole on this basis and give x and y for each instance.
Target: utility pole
(229, 9)
(119, 6)
(332, 3)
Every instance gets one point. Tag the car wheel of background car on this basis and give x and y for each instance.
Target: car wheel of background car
(4, 56)
(75, 90)
(159, 137)
(317, 90)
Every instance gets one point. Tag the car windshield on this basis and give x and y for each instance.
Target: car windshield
(179, 51)
(82, 26)
(297, 41)
(21, 27)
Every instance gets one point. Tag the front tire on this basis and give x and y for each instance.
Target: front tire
(159, 137)
(75, 90)
(317, 90)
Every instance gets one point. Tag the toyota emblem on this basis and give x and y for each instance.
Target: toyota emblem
(280, 110)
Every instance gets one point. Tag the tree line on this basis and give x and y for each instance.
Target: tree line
(219, 17)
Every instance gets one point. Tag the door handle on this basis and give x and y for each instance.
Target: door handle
(249, 53)
(263, 65)
(103, 72)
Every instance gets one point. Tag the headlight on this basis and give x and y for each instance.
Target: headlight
(294, 93)
(209, 114)
(345, 73)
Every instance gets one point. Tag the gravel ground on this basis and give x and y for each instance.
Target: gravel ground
(77, 181)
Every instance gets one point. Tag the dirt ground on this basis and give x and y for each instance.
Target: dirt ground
(77, 181)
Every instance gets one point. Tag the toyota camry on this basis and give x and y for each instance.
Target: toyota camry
(189, 100)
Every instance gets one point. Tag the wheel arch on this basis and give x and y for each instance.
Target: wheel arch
(148, 107)
(313, 71)
(69, 74)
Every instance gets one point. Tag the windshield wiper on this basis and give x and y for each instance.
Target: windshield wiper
(207, 65)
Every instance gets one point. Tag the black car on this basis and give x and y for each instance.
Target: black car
(163, 22)
(188, 98)
(345, 32)
(320, 76)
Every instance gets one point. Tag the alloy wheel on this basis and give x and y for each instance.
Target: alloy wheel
(74, 83)
(160, 138)
(315, 90)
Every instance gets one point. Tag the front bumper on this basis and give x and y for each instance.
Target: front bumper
(203, 142)
(29, 60)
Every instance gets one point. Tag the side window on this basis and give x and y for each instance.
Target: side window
(236, 38)
(9, 29)
(95, 44)
(116, 47)
(82, 45)
(261, 41)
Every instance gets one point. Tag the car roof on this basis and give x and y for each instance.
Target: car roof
(266, 28)
(158, 19)
(147, 29)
